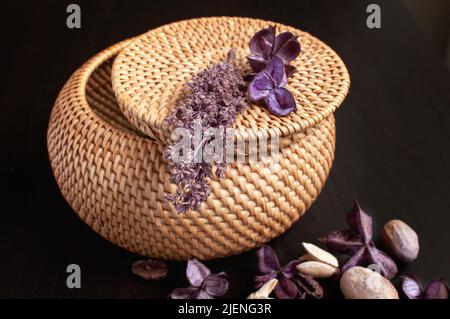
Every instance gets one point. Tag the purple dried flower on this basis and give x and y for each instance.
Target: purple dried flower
(264, 46)
(269, 86)
(357, 242)
(203, 284)
(215, 97)
(291, 284)
(150, 269)
(411, 288)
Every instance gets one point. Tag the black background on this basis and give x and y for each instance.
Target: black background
(393, 140)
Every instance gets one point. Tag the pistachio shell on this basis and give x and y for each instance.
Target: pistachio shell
(318, 254)
(362, 283)
(306, 257)
(265, 290)
(317, 269)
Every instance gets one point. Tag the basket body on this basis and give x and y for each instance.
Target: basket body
(115, 178)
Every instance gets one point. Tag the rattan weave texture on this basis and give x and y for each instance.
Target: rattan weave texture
(115, 178)
(149, 75)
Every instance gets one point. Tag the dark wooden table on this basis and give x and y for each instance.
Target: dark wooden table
(393, 140)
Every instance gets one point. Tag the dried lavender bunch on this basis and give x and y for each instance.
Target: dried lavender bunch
(213, 99)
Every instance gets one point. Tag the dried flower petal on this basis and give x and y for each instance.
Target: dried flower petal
(291, 284)
(216, 285)
(290, 270)
(387, 266)
(343, 242)
(185, 293)
(281, 102)
(277, 72)
(268, 85)
(282, 39)
(196, 272)
(267, 260)
(264, 46)
(359, 258)
(357, 242)
(261, 86)
(204, 285)
(287, 48)
(309, 286)
(261, 44)
(411, 287)
(286, 289)
(262, 279)
(150, 269)
(202, 294)
(360, 222)
(437, 289)
(257, 63)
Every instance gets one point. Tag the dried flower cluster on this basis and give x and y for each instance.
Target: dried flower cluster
(150, 269)
(204, 284)
(357, 242)
(265, 45)
(298, 278)
(270, 57)
(291, 283)
(362, 283)
(214, 98)
(411, 288)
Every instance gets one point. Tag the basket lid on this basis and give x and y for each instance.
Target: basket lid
(149, 75)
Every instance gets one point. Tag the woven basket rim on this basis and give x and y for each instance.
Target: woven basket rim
(132, 73)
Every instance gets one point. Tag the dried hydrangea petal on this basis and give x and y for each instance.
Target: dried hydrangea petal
(261, 86)
(267, 260)
(196, 272)
(262, 279)
(281, 102)
(360, 222)
(281, 39)
(150, 269)
(411, 287)
(291, 284)
(257, 63)
(262, 42)
(357, 242)
(359, 258)
(287, 47)
(276, 70)
(437, 289)
(185, 293)
(290, 270)
(202, 294)
(342, 242)
(387, 266)
(309, 286)
(216, 285)
(264, 46)
(285, 289)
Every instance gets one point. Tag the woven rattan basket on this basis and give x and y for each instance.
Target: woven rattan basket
(115, 177)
